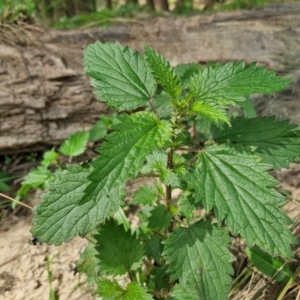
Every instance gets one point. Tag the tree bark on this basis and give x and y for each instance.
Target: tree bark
(45, 95)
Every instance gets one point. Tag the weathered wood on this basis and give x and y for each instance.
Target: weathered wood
(45, 96)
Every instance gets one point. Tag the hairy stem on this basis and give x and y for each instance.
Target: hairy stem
(153, 107)
(169, 187)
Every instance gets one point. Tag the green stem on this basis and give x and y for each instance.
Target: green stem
(169, 187)
(153, 107)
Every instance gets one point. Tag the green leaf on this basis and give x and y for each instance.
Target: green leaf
(163, 72)
(121, 76)
(38, 177)
(121, 218)
(186, 71)
(159, 218)
(179, 165)
(49, 158)
(144, 215)
(248, 107)
(59, 216)
(209, 111)
(278, 143)
(237, 186)
(136, 292)
(162, 105)
(146, 194)
(187, 206)
(98, 131)
(198, 255)
(159, 279)
(4, 177)
(75, 144)
(168, 177)
(124, 153)
(4, 187)
(119, 250)
(109, 290)
(183, 69)
(154, 248)
(88, 263)
(269, 265)
(184, 293)
(158, 161)
(229, 83)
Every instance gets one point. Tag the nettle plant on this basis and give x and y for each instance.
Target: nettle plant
(174, 128)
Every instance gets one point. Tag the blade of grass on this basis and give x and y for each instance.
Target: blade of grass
(14, 200)
(289, 283)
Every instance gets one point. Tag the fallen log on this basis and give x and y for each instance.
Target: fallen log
(45, 96)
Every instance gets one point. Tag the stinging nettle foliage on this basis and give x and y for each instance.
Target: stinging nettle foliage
(183, 136)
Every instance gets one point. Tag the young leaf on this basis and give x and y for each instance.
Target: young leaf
(119, 250)
(144, 215)
(146, 194)
(213, 113)
(109, 290)
(49, 158)
(237, 186)
(158, 160)
(163, 72)
(168, 177)
(59, 216)
(159, 218)
(121, 76)
(278, 143)
(38, 177)
(198, 256)
(98, 131)
(75, 144)
(88, 263)
(229, 83)
(269, 265)
(187, 206)
(136, 292)
(124, 153)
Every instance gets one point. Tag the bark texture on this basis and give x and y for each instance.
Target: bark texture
(45, 96)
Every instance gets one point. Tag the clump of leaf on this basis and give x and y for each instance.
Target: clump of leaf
(75, 145)
(41, 176)
(173, 253)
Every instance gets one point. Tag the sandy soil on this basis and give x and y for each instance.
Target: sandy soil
(23, 271)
